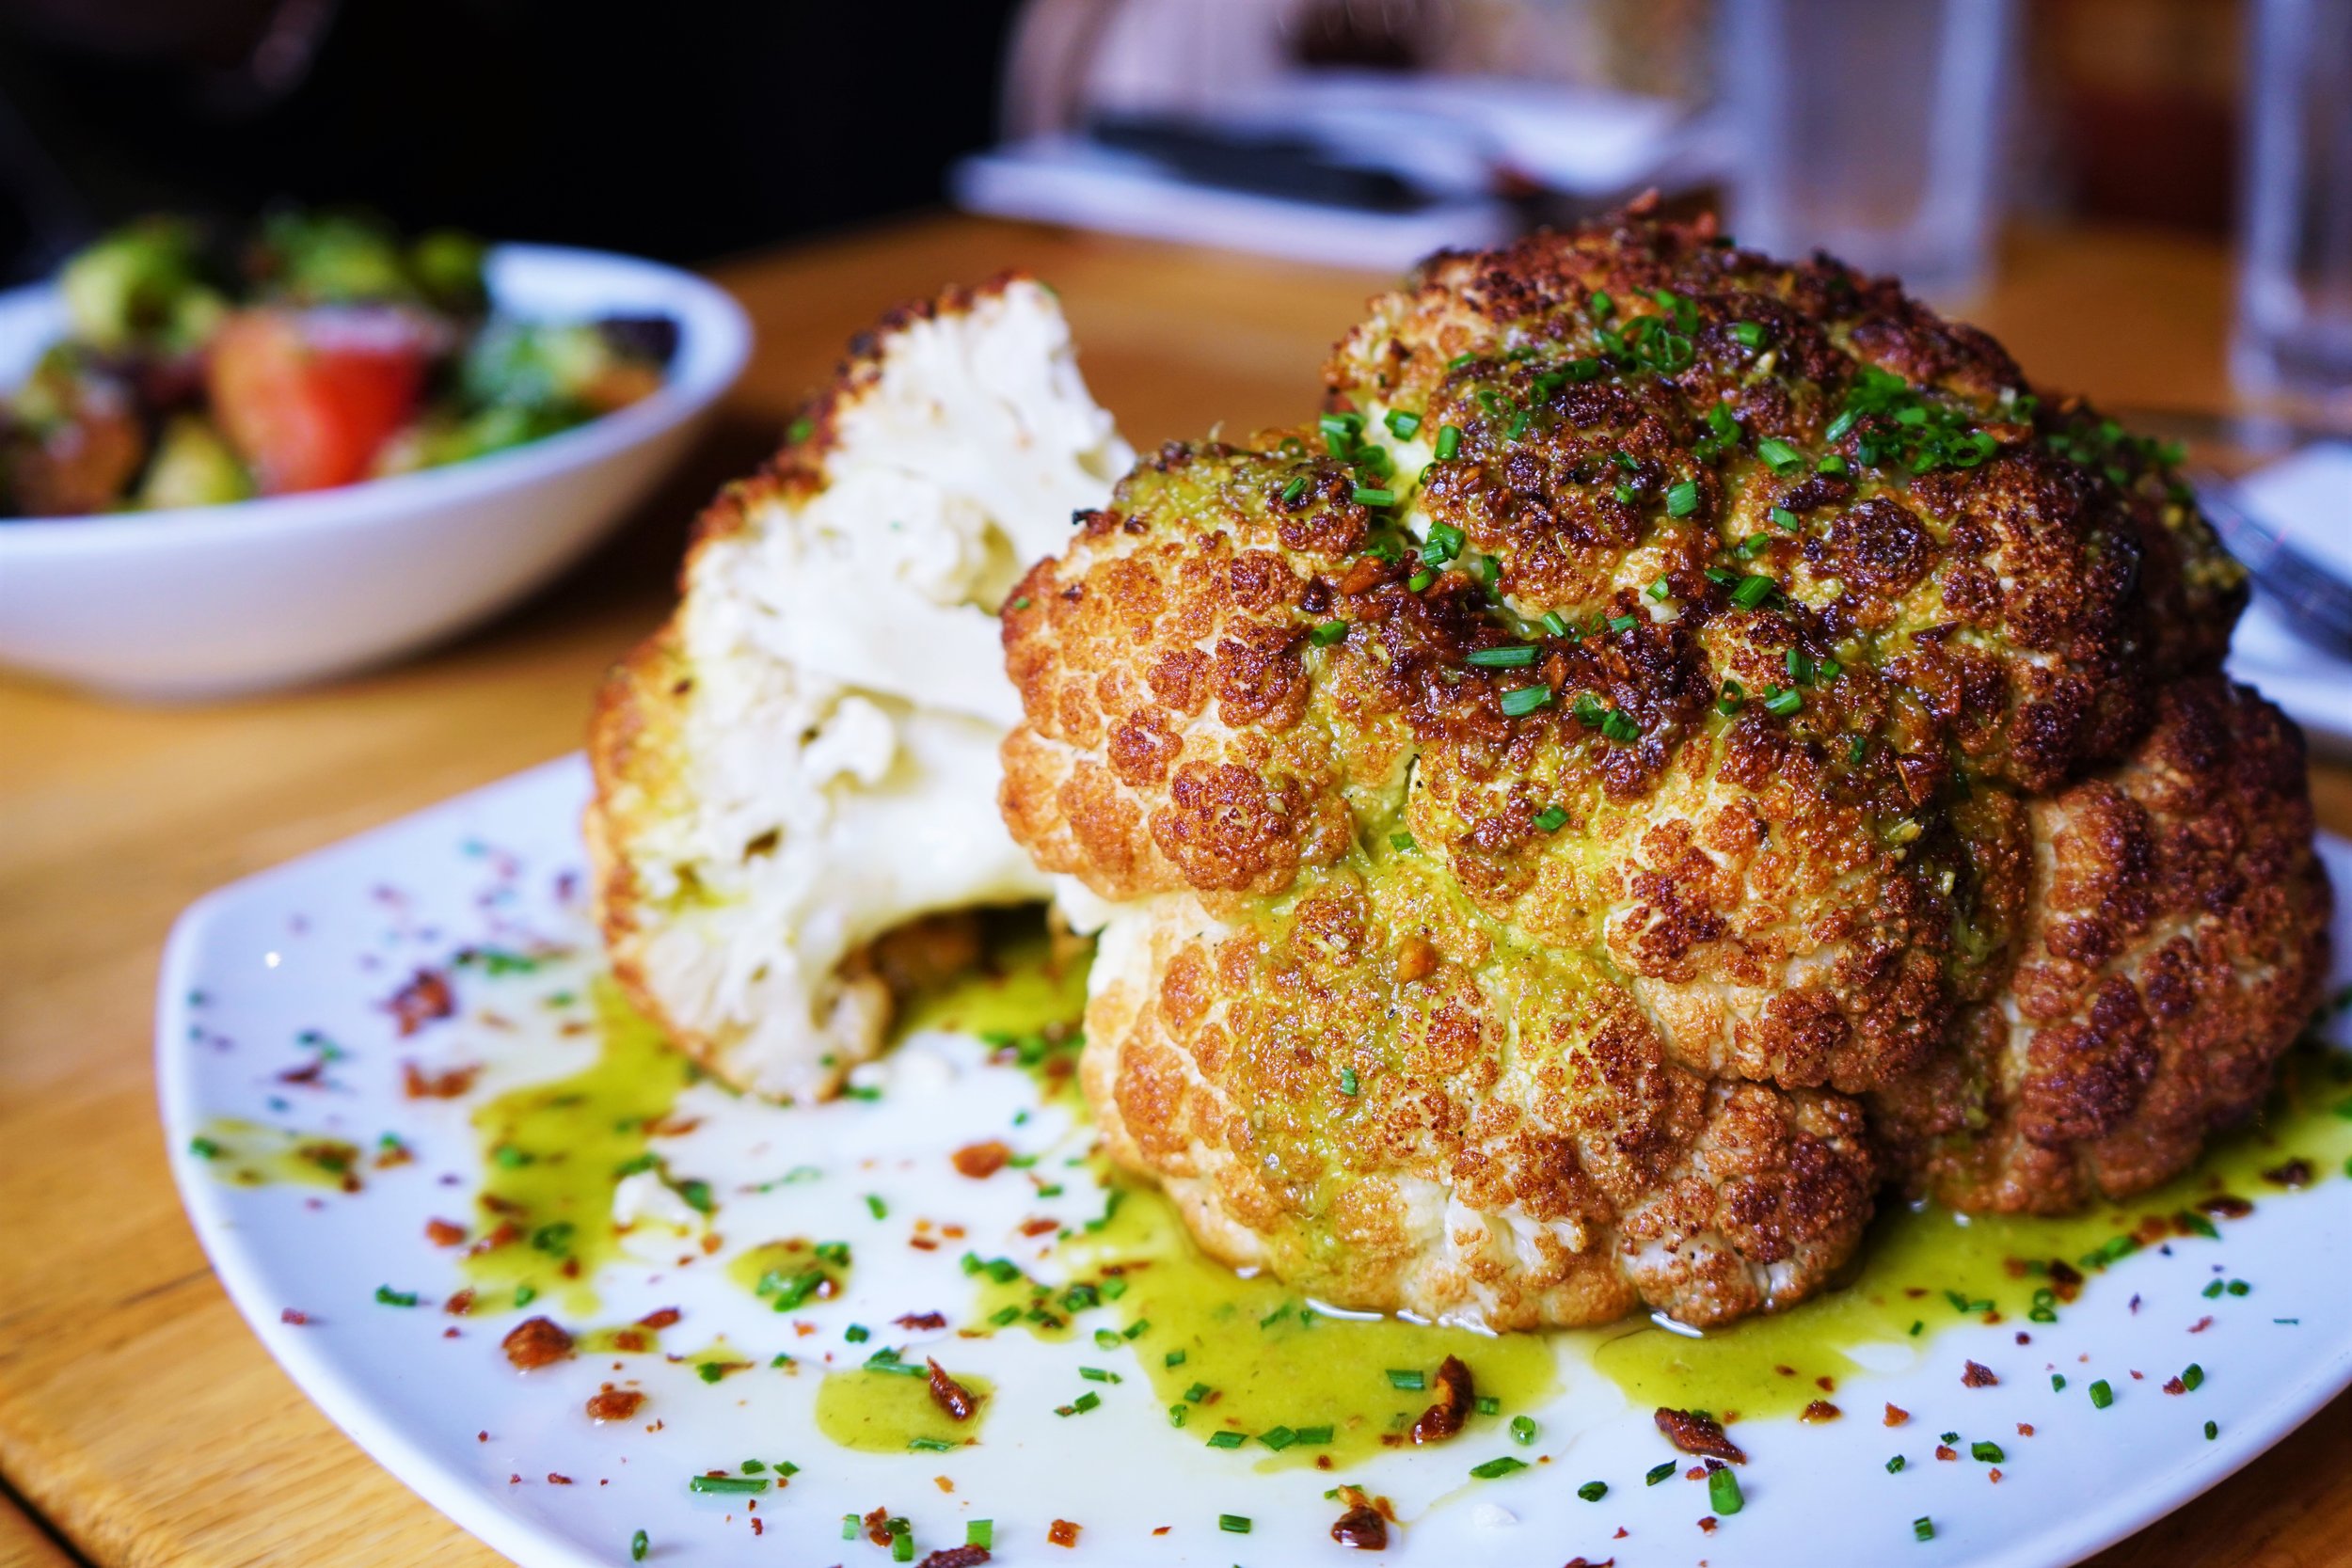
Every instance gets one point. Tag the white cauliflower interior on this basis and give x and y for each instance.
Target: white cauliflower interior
(844, 693)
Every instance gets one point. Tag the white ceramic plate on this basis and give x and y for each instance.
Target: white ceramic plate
(216, 600)
(292, 968)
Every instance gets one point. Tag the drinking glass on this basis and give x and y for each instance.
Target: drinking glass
(2292, 345)
(1871, 129)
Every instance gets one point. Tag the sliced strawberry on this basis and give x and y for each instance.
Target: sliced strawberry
(307, 397)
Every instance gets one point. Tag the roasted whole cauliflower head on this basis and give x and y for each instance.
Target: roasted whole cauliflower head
(1686, 740)
(801, 765)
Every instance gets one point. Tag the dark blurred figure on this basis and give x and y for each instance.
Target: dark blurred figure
(681, 130)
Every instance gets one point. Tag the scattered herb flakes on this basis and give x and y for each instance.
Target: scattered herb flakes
(730, 1486)
(1593, 1491)
(1495, 1467)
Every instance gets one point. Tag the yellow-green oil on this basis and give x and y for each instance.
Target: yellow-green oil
(893, 1412)
(553, 1152)
(251, 1155)
(1252, 1356)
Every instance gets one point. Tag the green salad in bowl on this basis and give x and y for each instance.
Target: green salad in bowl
(315, 349)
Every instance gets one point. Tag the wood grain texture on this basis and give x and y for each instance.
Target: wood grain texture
(137, 1414)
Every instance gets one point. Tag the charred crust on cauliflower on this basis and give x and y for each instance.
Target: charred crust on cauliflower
(1685, 737)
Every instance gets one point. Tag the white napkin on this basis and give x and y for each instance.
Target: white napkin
(2308, 497)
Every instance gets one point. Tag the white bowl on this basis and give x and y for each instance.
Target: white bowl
(217, 600)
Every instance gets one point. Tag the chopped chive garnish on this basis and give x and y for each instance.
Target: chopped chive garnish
(1522, 1430)
(857, 1334)
(1402, 425)
(387, 1296)
(1096, 1375)
(639, 1545)
(1747, 334)
(1448, 441)
(1783, 700)
(1593, 1491)
(1402, 843)
(1225, 1439)
(1661, 589)
(1460, 359)
(1683, 499)
(1656, 1473)
(1372, 495)
(2058, 1383)
(1494, 1468)
(726, 1484)
(1785, 519)
(1556, 623)
(1513, 656)
(1278, 1438)
(1731, 698)
(2193, 1377)
(2102, 1394)
(1348, 1083)
(1894, 1465)
(1411, 1381)
(1420, 580)
(1195, 1394)
(1551, 819)
(1602, 305)
(1328, 633)
(1314, 1437)
(1985, 1453)
(980, 1533)
(1779, 455)
(1923, 1529)
(2213, 1430)
(1753, 591)
(1626, 495)
(1295, 488)
(1722, 1492)
(1233, 1524)
(2238, 1287)
(1524, 700)
(204, 1148)
(930, 1445)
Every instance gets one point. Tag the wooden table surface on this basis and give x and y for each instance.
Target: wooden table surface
(137, 1416)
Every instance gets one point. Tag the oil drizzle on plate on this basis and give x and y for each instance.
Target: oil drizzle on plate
(553, 1154)
(1927, 1269)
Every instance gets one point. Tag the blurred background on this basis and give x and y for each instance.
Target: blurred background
(2065, 172)
(737, 126)
(1352, 132)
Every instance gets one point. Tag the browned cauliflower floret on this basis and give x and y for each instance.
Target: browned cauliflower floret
(1666, 706)
(2175, 928)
